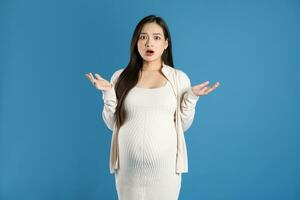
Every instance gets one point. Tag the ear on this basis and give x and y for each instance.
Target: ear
(166, 43)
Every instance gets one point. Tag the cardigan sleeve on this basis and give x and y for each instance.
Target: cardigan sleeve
(188, 101)
(110, 101)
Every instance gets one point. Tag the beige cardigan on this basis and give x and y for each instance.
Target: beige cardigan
(185, 111)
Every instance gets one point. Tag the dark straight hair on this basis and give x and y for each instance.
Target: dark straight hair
(130, 75)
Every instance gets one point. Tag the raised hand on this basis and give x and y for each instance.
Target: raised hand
(99, 82)
(202, 88)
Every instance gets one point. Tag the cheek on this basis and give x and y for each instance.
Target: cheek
(161, 48)
(140, 42)
(140, 45)
(140, 48)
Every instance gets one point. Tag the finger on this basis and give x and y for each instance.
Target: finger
(208, 90)
(205, 83)
(88, 76)
(215, 85)
(201, 85)
(98, 77)
(203, 90)
(92, 77)
(212, 88)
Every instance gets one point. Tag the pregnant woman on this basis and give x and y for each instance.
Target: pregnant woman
(149, 105)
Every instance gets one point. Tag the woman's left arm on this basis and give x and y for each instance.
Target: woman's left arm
(188, 101)
(189, 97)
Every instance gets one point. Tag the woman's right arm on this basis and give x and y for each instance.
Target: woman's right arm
(110, 101)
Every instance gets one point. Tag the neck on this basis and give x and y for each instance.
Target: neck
(152, 65)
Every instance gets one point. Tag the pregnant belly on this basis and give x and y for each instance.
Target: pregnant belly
(150, 144)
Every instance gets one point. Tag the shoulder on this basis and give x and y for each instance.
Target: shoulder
(182, 74)
(183, 78)
(116, 74)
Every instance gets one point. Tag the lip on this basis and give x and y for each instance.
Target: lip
(149, 54)
(150, 50)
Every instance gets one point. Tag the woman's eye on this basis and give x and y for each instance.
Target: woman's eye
(142, 37)
(157, 37)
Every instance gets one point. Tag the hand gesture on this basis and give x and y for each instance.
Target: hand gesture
(99, 82)
(203, 89)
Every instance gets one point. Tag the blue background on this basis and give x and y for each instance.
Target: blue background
(244, 141)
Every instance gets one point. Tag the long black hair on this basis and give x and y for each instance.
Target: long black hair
(130, 75)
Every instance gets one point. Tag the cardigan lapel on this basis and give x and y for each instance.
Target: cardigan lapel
(181, 159)
(169, 73)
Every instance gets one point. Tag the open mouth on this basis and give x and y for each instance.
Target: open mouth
(149, 52)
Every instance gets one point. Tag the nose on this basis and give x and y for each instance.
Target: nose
(148, 42)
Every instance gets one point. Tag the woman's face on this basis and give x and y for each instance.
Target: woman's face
(151, 42)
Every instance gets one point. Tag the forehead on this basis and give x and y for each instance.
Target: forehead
(151, 28)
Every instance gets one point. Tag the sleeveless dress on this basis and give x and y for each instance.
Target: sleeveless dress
(147, 146)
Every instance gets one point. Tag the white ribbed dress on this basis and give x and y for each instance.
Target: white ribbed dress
(147, 146)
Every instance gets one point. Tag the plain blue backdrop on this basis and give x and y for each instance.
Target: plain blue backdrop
(244, 141)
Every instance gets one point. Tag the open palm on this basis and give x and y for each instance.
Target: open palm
(202, 88)
(99, 82)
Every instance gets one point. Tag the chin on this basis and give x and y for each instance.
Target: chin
(150, 59)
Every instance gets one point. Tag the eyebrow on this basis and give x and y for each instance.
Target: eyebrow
(153, 33)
